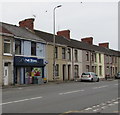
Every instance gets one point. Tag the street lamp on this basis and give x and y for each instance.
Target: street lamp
(54, 65)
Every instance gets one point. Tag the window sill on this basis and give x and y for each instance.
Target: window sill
(6, 54)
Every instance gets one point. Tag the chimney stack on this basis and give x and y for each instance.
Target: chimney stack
(106, 45)
(88, 40)
(28, 23)
(64, 33)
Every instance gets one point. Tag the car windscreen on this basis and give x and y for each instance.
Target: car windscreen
(85, 73)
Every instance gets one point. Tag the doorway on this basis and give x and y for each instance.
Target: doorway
(69, 71)
(5, 79)
(64, 66)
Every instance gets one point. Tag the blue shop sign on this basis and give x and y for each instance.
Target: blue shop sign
(28, 61)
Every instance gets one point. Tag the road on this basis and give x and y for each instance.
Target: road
(63, 98)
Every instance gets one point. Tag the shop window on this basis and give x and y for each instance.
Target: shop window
(76, 71)
(17, 47)
(57, 70)
(33, 48)
(7, 46)
(63, 53)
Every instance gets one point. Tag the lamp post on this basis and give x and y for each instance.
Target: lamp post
(54, 65)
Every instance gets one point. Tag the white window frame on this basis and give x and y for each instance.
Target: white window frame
(7, 54)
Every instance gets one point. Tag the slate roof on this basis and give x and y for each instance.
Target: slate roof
(49, 38)
(44, 37)
(75, 43)
(21, 32)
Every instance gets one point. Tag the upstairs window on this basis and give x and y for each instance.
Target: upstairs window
(33, 48)
(7, 46)
(56, 52)
(95, 57)
(92, 56)
(87, 56)
(17, 47)
(63, 53)
(69, 54)
(76, 55)
(100, 58)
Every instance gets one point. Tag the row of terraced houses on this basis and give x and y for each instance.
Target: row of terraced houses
(26, 54)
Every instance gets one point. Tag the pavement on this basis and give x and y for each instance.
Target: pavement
(48, 83)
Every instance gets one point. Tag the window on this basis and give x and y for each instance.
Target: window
(87, 56)
(56, 52)
(76, 55)
(115, 59)
(95, 57)
(63, 53)
(95, 69)
(100, 58)
(92, 56)
(100, 70)
(7, 46)
(76, 75)
(33, 48)
(17, 47)
(92, 68)
(69, 54)
(115, 70)
(57, 70)
(87, 68)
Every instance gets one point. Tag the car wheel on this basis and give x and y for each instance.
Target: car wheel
(98, 80)
(92, 79)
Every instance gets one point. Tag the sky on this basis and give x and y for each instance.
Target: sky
(85, 18)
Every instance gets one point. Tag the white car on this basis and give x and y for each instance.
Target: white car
(89, 76)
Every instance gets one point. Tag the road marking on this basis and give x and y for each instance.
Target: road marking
(71, 92)
(116, 102)
(100, 87)
(96, 110)
(87, 109)
(20, 88)
(20, 100)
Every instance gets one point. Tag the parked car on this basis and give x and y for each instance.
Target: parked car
(117, 76)
(89, 76)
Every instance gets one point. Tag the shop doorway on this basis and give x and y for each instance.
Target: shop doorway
(5, 79)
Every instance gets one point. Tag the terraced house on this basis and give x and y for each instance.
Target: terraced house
(23, 55)
(6, 57)
(26, 55)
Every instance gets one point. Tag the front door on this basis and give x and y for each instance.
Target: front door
(5, 79)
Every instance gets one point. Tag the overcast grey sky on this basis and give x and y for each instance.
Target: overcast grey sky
(86, 19)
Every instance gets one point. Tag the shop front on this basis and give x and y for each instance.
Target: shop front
(28, 70)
